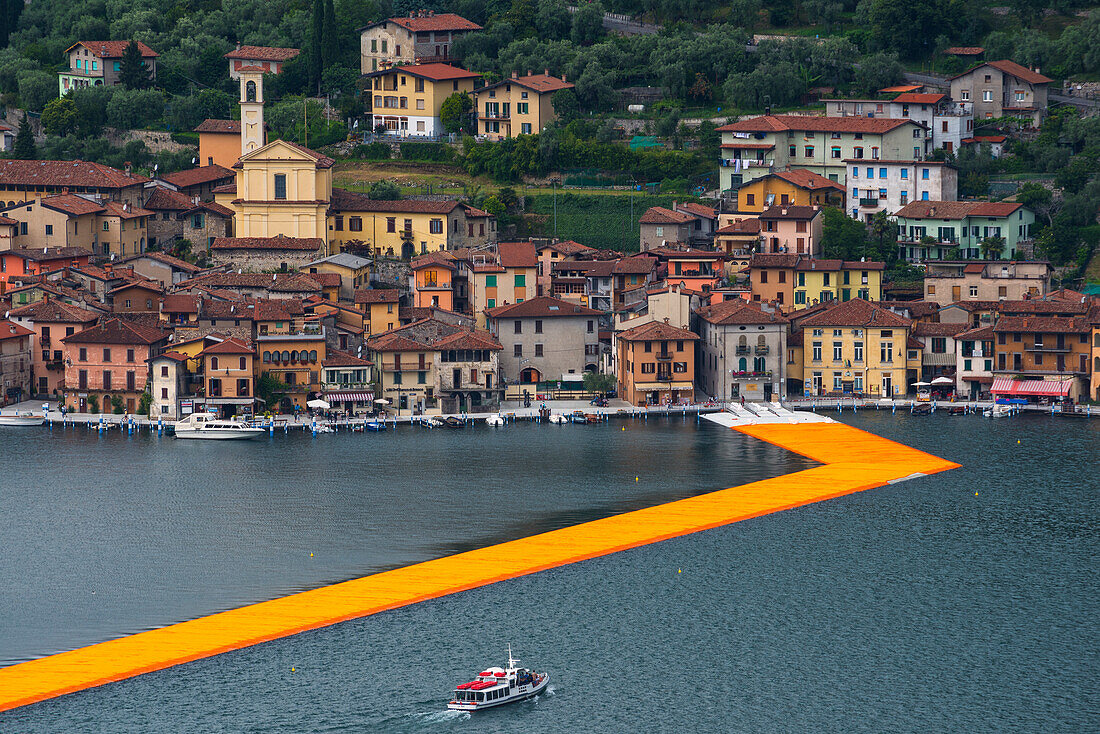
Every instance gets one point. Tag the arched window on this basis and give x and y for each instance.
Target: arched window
(313, 356)
(742, 341)
(213, 363)
(286, 356)
(267, 356)
(762, 341)
(743, 365)
(250, 92)
(293, 356)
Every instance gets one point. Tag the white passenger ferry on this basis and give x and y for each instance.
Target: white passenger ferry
(498, 686)
(205, 425)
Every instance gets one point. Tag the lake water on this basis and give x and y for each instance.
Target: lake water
(914, 607)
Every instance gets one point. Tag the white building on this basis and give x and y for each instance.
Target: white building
(974, 360)
(948, 122)
(878, 185)
(742, 351)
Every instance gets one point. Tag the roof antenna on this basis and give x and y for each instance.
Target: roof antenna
(512, 662)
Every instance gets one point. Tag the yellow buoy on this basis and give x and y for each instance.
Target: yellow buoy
(679, 570)
(975, 494)
(635, 479)
(311, 555)
(292, 670)
(624, 428)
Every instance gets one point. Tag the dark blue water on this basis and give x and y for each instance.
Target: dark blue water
(915, 607)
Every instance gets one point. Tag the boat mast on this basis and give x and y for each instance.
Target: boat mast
(511, 662)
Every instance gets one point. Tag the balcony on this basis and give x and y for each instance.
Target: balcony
(1049, 349)
(760, 351)
(664, 357)
(495, 116)
(744, 351)
(869, 203)
(664, 377)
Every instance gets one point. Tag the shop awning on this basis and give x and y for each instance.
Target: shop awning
(361, 397)
(1047, 388)
(230, 401)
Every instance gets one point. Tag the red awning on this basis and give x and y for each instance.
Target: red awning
(1045, 388)
(361, 397)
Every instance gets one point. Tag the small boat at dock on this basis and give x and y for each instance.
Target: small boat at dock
(21, 419)
(498, 686)
(453, 422)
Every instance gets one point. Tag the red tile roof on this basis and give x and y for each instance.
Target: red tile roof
(994, 209)
(986, 139)
(279, 242)
(377, 295)
(807, 179)
(117, 331)
(219, 126)
(50, 253)
(565, 247)
(199, 175)
(517, 255)
(326, 280)
(432, 334)
(162, 199)
(916, 98)
(174, 356)
(10, 330)
(276, 283)
(698, 210)
(436, 22)
(790, 211)
(782, 123)
(125, 211)
(657, 331)
(1013, 69)
(956, 209)
(540, 307)
(540, 83)
(765, 260)
(856, 312)
(744, 227)
(350, 201)
(336, 358)
(979, 334)
(230, 345)
(33, 174)
(112, 49)
(927, 329)
(1043, 324)
(964, 50)
(442, 259)
(738, 312)
(661, 215)
(180, 303)
(434, 71)
(53, 311)
(71, 204)
(262, 53)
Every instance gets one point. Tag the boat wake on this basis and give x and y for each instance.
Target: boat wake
(442, 717)
(550, 689)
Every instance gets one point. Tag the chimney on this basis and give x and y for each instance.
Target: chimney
(431, 13)
(666, 319)
(126, 168)
(546, 72)
(515, 74)
(528, 72)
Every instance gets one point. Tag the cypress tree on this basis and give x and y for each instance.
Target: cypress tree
(331, 46)
(316, 62)
(24, 141)
(131, 69)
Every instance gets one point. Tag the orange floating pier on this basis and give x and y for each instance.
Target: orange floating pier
(852, 460)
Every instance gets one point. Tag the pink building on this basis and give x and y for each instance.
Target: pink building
(110, 361)
(791, 229)
(51, 321)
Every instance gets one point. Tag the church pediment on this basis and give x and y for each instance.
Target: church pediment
(282, 150)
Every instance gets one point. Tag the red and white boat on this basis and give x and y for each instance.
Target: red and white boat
(498, 686)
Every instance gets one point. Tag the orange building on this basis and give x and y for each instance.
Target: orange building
(219, 142)
(109, 361)
(655, 364)
(380, 307)
(433, 281)
(45, 260)
(228, 376)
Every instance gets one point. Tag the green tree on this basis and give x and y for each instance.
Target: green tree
(883, 233)
(992, 247)
(316, 43)
(132, 73)
(553, 20)
(144, 402)
(745, 13)
(135, 108)
(59, 117)
(599, 383)
(116, 405)
(494, 206)
(1037, 198)
(384, 190)
(453, 113)
(330, 47)
(24, 148)
(36, 88)
(842, 237)
(587, 24)
(566, 105)
(93, 403)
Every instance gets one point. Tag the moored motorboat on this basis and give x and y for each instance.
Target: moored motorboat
(208, 426)
(998, 411)
(375, 425)
(498, 686)
(495, 420)
(453, 422)
(21, 419)
(558, 418)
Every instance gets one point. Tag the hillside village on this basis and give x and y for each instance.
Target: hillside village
(837, 251)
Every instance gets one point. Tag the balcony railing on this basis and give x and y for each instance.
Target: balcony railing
(664, 357)
(744, 350)
(495, 116)
(1049, 348)
(762, 350)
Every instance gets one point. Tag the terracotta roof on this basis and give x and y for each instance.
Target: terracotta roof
(517, 255)
(540, 83)
(1012, 68)
(807, 179)
(262, 53)
(54, 311)
(72, 205)
(912, 343)
(474, 213)
(225, 189)
(672, 253)
(956, 209)
(117, 331)
(744, 227)
(278, 282)
(981, 333)
(863, 265)
(1043, 324)
(994, 209)
(964, 50)
(327, 280)
(469, 339)
(657, 330)
(336, 358)
(199, 175)
(65, 173)
(8, 220)
(738, 312)
(164, 257)
(342, 200)
(377, 295)
(278, 242)
(986, 139)
(790, 211)
(432, 334)
(441, 259)
(163, 199)
(901, 88)
(219, 126)
(112, 49)
(698, 210)
(151, 285)
(763, 260)
(540, 307)
(661, 215)
(174, 356)
(11, 330)
(434, 71)
(222, 211)
(1043, 307)
(322, 160)
(436, 22)
(124, 211)
(819, 263)
(926, 329)
(918, 98)
(856, 312)
(782, 123)
(634, 265)
(565, 247)
(228, 346)
(180, 303)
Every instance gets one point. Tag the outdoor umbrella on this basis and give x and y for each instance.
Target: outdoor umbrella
(921, 384)
(318, 403)
(943, 381)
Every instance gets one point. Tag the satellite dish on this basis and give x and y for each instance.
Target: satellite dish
(195, 161)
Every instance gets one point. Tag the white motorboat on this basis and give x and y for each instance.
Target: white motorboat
(21, 419)
(208, 426)
(498, 686)
(998, 411)
(558, 418)
(495, 420)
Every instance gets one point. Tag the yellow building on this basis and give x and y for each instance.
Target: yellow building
(122, 229)
(64, 220)
(380, 307)
(405, 100)
(818, 280)
(352, 270)
(521, 105)
(511, 278)
(296, 361)
(855, 347)
(799, 187)
(405, 227)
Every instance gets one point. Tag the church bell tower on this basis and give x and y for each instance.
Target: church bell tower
(252, 109)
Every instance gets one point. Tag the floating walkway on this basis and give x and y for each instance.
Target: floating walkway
(852, 460)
